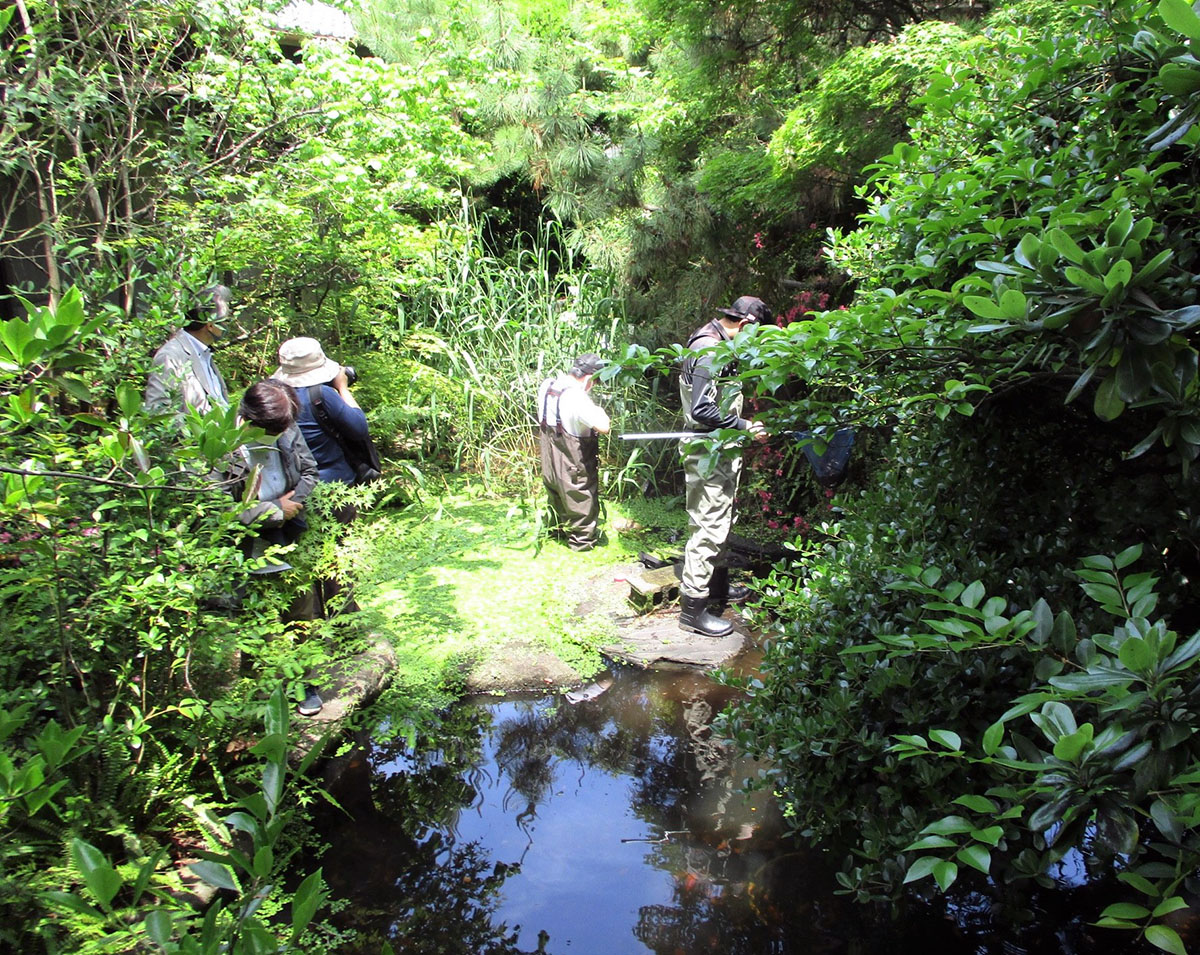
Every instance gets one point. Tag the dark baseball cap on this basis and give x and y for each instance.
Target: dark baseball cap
(748, 308)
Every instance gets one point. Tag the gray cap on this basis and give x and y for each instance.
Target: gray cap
(588, 364)
(211, 304)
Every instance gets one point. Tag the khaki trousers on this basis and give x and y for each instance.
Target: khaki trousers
(710, 517)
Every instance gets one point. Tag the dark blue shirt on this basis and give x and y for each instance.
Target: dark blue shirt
(351, 422)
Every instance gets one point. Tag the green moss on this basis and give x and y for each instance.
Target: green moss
(447, 579)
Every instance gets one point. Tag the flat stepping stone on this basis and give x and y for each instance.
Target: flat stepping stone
(654, 639)
(351, 683)
(514, 666)
(657, 640)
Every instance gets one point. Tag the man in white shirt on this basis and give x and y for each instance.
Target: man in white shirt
(184, 374)
(569, 422)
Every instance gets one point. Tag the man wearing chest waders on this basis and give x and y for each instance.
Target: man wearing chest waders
(569, 421)
(710, 403)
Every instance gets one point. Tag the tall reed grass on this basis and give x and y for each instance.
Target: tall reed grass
(493, 328)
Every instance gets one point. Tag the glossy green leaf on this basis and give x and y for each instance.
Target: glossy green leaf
(1139, 882)
(214, 874)
(1179, 80)
(1096, 678)
(1069, 748)
(990, 835)
(1125, 910)
(979, 804)
(1165, 938)
(1167, 906)
(983, 307)
(159, 927)
(1180, 16)
(1152, 269)
(1120, 228)
(1127, 557)
(1137, 655)
(945, 874)
(264, 862)
(921, 868)
(1065, 246)
(1013, 304)
(948, 826)
(973, 595)
(946, 738)
(102, 880)
(1167, 822)
(931, 842)
(1026, 252)
(1120, 274)
(310, 895)
(1085, 280)
(1107, 404)
(976, 856)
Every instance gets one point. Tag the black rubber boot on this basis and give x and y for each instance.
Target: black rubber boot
(722, 592)
(694, 616)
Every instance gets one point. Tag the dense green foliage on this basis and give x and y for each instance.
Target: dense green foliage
(979, 655)
(939, 693)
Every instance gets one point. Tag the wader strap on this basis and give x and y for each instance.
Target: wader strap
(556, 394)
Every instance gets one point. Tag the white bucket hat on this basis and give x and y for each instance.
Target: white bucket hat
(303, 363)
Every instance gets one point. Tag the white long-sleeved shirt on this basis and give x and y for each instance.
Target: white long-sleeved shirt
(580, 415)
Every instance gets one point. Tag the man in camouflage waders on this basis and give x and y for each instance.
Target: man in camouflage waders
(710, 403)
(569, 421)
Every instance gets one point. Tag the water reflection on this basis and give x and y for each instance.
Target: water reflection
(617, 823)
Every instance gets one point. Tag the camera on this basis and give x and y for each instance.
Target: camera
(351, 374)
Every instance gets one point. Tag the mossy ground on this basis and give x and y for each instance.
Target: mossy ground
(472, 592)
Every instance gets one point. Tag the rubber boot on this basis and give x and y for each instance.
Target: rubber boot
(694, 616)
(720, 591)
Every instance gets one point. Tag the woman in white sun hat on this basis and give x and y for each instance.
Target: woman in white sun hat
(321, 385)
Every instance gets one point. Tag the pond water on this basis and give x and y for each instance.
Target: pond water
(611, 821)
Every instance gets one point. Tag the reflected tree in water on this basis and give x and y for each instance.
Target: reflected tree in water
(683, 783)
(406, 884)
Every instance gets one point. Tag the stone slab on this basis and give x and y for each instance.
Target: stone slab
(513, 666)
(352, 683)
(656, 640)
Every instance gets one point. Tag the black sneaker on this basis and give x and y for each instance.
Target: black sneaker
(312, 703)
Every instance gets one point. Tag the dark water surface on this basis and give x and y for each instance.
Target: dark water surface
(618, 824)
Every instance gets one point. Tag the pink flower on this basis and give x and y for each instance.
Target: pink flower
(774, 525)
(758, 242)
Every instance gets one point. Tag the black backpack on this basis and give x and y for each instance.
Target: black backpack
(362, 456)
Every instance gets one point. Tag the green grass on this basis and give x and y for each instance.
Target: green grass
(447, 579)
